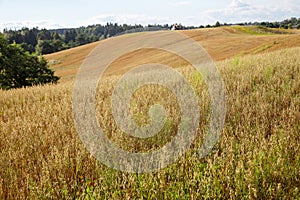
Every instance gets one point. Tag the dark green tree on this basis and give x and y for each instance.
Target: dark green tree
(56, 36)
(28, 47)
(30, 37)
(44, 34)
(81, 39)
(57, 45)
(44, 47)
(70, 36)
(19, 68)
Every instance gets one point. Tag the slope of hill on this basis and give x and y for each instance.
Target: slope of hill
(221, 43)
(257, 156)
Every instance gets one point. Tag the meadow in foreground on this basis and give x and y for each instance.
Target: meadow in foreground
(257, 156)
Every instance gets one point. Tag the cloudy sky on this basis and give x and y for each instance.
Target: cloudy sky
(15, 14)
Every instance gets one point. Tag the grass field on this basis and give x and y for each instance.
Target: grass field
(221, 43)
(257, 156)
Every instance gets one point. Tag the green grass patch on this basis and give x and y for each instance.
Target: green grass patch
(259, 30)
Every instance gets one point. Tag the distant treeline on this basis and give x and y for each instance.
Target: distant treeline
(49, 41)
(292, 23)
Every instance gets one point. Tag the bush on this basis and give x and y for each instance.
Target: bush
(19, 68)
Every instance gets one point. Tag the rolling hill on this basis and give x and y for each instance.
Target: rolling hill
(256, 157)
(221, 43)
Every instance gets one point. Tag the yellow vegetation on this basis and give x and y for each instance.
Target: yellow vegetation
(257, 156)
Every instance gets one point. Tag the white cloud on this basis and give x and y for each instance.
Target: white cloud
(241, 11)
(238, 4)
(236, 11)
(129, 19)
(179, 3)
(30, 24)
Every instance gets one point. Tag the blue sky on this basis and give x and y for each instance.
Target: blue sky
(75, 13)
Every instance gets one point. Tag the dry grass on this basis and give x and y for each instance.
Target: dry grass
(221, 43)
(66, 63)
(257, 156)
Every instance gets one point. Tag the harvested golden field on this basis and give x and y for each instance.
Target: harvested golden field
(220, 43)
(256, 157)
